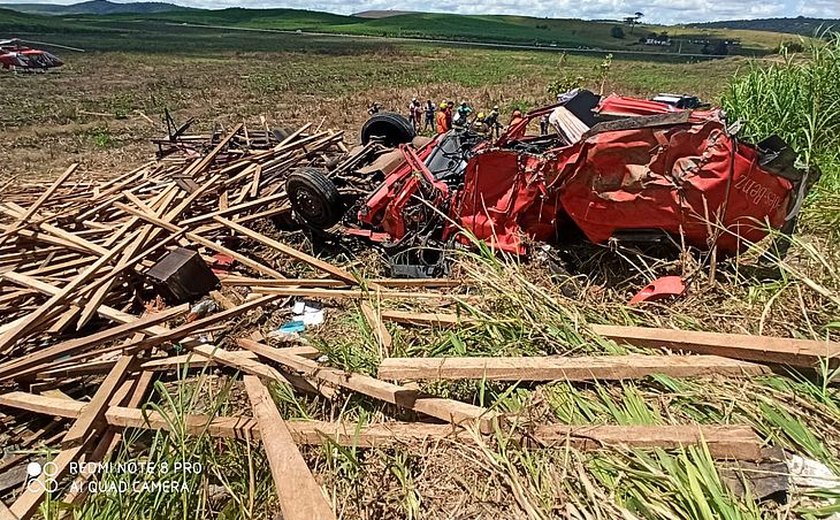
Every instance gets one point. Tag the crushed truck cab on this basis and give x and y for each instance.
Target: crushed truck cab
(612, 168)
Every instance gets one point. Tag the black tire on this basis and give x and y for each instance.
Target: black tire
(314, 198)
(392, 128)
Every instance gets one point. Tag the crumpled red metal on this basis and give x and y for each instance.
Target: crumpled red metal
(692, 181)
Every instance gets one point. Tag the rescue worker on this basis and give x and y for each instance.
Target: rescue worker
(430, 116)
(479, 126)
(442, 119)
(492, 122)
(462, 117)
(450, 112)
(414, 113)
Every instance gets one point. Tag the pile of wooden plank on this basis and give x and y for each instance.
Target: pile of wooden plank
(84, 332)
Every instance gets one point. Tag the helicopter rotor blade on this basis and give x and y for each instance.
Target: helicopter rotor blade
(52, 45)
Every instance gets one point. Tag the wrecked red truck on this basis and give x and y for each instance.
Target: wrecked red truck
(611, 169)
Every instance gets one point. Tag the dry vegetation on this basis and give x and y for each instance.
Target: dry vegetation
(47, 122)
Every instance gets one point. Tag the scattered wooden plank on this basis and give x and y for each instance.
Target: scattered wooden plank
(550, 368)
(249, 365)
(94, 411)
(734, 441)
(14, 367)
(724, 442)
(761, 349)
(449, 410)
(55, 303)
(300, 495)
(391, 283)
(317, 263)
(383, 337)
(33, 209)
(339, 294)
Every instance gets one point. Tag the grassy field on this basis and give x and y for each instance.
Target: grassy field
(565, 33)
(290, 79)
(90, 112)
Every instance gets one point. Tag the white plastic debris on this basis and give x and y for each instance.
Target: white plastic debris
(811, 473)
(309, 314)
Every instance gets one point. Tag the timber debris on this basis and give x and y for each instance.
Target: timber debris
(99, 290)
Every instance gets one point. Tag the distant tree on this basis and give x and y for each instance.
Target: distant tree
(617, 32)
(632, 21)
(720, 48)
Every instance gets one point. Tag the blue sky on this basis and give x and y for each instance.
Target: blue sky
(656, 11)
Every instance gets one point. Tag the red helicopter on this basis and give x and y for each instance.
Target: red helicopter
(16, 57)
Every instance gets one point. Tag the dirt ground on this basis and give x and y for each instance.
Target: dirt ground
(92, 110)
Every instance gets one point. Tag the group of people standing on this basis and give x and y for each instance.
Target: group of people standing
(445, 116)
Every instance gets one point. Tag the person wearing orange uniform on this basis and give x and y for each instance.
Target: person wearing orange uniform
(442, 120)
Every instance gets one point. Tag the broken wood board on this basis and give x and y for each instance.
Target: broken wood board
(731, 441)
(456, 412)
(550, 368)
(759, 349)
(299, 493)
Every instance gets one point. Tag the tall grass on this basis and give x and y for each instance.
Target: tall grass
(798, 98)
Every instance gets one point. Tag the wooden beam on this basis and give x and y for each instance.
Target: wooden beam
(724, 442)
(317, 263)
(317, 292)
(13, 368)
(54, 303)
(46, 405)
(383, 337)
(550, 368)
(249, 365)
(732, 441)
(761, 349)
(94, 411)
(448, 410)
(146, 214)
(391, 283)
(299, 494)
(202, 164)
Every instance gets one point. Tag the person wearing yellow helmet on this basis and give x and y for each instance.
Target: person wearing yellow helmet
(492, 122)
(442, 119)
(480, 125)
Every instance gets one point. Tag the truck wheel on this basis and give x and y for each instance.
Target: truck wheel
(392, 128)
(314, 198)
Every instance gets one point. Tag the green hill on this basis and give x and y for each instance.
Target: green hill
(498, 29)
(98, 7)
(799, 25)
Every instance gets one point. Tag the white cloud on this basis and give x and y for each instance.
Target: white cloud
(820, 8)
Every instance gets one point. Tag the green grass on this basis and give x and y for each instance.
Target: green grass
(521, 30)
(798, 98)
